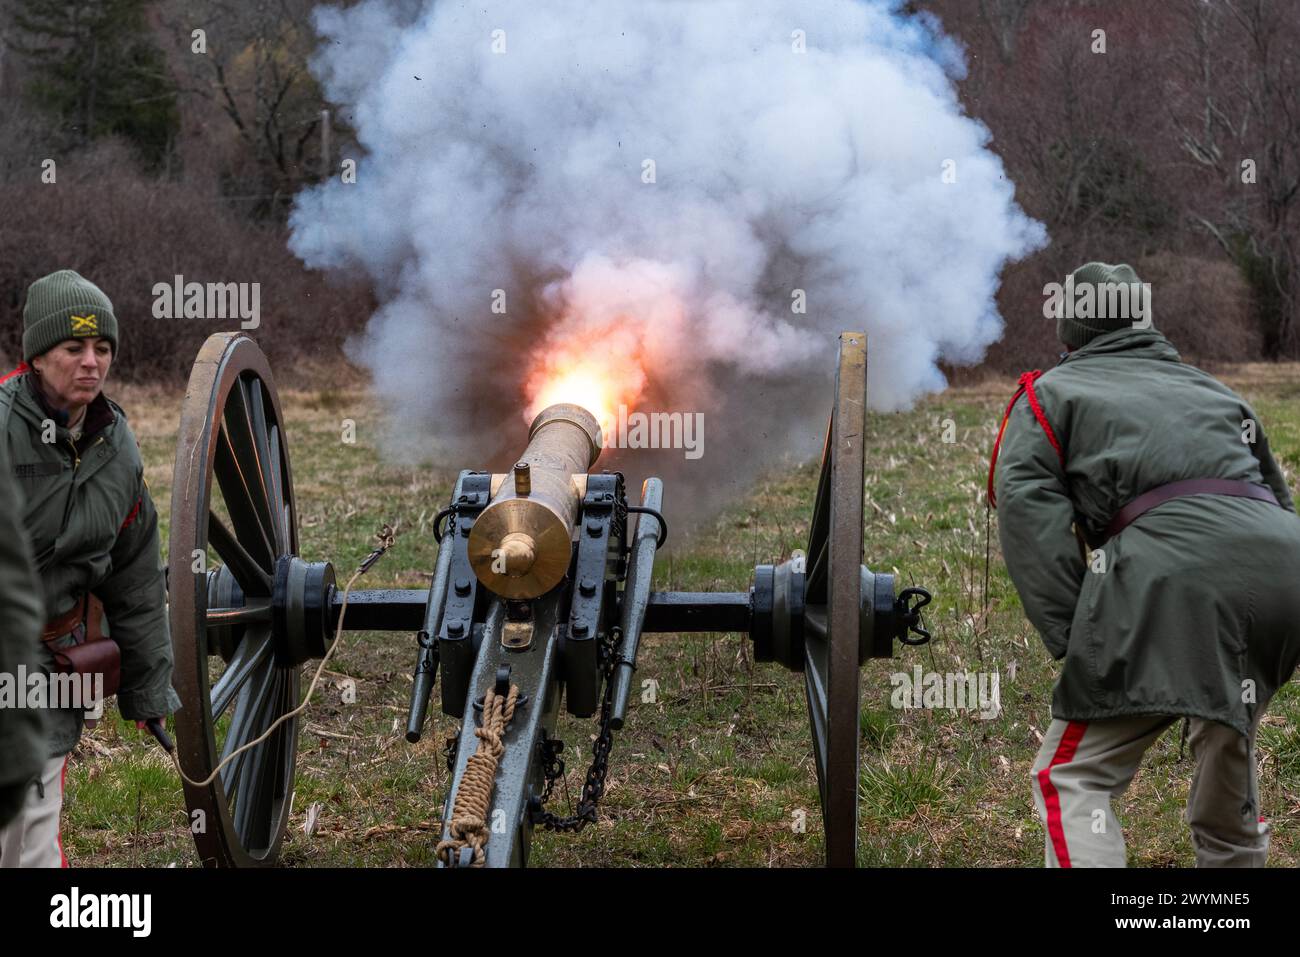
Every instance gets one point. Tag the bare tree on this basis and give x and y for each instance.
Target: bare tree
(255, 72)
(1004, 19)
(1074, 140)
(1235, 107)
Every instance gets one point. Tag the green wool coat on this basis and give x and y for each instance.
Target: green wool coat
(1194, 608)
(76, 516)
(23, 731)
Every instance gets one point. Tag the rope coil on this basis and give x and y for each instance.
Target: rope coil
(469, 826)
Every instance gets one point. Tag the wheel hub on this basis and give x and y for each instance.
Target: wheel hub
(301, 621)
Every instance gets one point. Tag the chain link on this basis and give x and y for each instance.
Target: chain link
(593, 789)
(449, 749)
(552, 765)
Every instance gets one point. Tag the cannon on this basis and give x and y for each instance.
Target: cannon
(540, 595)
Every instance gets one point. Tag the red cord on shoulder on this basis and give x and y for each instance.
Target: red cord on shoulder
(131, 518)
(22, 367)
(1026, 383)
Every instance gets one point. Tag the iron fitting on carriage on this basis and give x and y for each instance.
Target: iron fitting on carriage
(558, 620)
(778, 622)
(302, 619)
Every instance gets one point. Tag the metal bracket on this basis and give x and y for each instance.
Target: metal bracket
(455, 633)
(517, 635)
(518, 631)
(464, 858)
(596, 529)
(501, 687)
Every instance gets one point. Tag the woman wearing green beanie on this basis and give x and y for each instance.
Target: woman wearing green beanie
(94, 537)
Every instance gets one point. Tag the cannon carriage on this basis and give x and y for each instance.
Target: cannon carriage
(541, 593)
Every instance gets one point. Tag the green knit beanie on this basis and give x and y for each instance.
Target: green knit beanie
(1084, 316)
(62, 306)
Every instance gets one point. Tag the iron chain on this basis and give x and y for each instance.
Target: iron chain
(593, 789)
(449, 749)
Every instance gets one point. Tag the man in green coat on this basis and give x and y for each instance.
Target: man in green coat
(1184, 601)
(23, 731)
(92, 526)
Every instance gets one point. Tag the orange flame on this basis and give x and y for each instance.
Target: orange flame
(599, 373)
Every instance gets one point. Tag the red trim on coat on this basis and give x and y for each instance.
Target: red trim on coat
(131, 518)
(22, 367)
(1051, 799)
(1026, 383)
(63, 777)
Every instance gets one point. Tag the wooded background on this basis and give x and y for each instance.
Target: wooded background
(1176, 150)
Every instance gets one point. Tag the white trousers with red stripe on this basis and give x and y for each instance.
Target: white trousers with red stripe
(32, 839)
(1083, 764)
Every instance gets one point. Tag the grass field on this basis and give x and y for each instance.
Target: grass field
(719, 770)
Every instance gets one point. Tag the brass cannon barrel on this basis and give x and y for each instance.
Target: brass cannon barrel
(521, 544)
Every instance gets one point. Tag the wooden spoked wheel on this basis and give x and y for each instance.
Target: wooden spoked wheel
(233, 542)
(833, 647)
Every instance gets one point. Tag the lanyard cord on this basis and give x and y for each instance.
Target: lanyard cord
(386, 537)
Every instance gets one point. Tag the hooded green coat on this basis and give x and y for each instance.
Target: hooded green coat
(1194, 608)
(93, 527)
(23, 731)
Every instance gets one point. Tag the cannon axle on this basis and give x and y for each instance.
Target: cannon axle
(542, 581)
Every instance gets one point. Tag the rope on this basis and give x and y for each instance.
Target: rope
(1026, 387)
(469, 826)
(386, 536)
(1028, 379)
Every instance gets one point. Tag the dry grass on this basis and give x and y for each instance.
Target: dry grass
(718, 770)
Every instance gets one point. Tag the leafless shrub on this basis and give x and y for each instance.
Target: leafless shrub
(127, 232)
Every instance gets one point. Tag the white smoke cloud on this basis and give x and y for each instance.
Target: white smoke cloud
(775, 170)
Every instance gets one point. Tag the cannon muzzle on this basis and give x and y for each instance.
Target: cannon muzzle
(521, 545)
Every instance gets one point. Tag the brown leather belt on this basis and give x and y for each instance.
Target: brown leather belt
(58, 627)
(88, 609)
(1163, 493)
